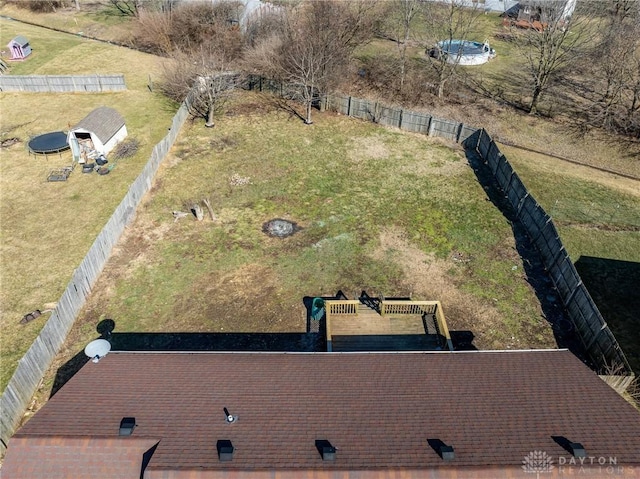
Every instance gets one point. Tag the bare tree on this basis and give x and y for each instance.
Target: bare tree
(128, 8)
(624, 9)
(154, 32)
(312, 46)
(188, 25)
(202, 80)
(453, 20)
(40, 6)
(548, 51)
(615, 73)
(399, 19)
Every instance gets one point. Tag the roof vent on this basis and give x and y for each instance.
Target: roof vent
(126, 426)
(225, 450)
(577, 449)
(326, 450)
(574, 448)
(230, 418)
(447, 453)
(443, 450)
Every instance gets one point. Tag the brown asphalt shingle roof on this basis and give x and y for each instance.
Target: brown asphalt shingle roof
(67, 457)
(104, 122)
(378, 409)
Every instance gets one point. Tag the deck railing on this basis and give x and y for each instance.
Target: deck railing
(442, 325)
(337, 307)
(389, 307)
(342, 306)
(407, 307)
(400, 307)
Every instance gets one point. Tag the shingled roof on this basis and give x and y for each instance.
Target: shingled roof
(380, 410)
(104, 122)
(19, 40)
(49, 456)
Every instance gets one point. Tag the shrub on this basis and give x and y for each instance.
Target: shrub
(38, 6)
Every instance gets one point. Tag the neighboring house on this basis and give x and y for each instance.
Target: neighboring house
(533, 14)
(19, 48)
(97, 134)
(477, 414)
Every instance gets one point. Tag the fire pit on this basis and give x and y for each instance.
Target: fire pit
(280, 228)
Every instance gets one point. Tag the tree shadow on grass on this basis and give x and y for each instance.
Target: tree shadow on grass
(536, 275)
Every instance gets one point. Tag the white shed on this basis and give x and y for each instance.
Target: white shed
(97, 133)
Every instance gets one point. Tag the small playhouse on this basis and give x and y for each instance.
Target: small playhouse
(97, 134)
(19, 48)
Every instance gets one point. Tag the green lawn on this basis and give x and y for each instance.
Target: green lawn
(594, 218)
(380, 210)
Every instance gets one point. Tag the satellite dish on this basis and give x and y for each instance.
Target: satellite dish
(97, 349)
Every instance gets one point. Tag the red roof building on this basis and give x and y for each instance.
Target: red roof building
(329, 415)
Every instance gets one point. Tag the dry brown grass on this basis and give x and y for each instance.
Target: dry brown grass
(93, 20)
(46, 228)
(430, 277)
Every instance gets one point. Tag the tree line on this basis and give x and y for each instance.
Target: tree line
(584, 64)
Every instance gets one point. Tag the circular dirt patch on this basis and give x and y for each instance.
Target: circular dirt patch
(280, 228)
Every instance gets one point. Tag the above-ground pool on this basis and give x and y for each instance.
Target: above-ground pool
(53, 142)
(463, 52)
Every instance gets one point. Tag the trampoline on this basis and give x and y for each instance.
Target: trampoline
(53, 142)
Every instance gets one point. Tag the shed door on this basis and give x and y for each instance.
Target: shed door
(75, 148)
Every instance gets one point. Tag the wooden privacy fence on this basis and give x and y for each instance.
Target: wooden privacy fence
(62, 83)
(599, 342)
(370, 110)
(33, 365)
(408, 120)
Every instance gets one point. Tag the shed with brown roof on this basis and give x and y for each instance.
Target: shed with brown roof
(338, 415)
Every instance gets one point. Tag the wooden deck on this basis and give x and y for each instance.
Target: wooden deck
(369, 331)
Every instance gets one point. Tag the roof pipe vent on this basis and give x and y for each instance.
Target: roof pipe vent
(230, 418)
(126, 426)
(326, 450)
(225, 450)
(577, 450)
(445, 451)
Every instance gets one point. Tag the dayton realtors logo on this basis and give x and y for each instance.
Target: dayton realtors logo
(537, 462)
